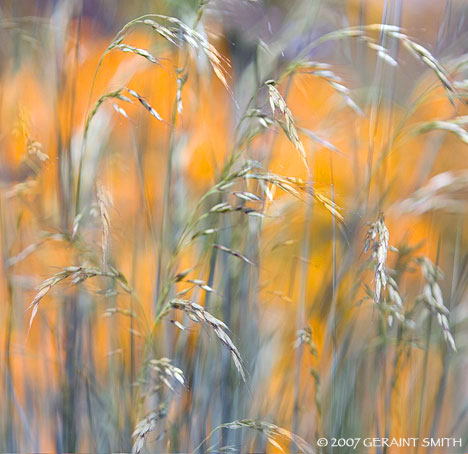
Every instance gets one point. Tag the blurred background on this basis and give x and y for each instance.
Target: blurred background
(150, 165)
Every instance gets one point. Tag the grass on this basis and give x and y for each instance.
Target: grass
(218, 240)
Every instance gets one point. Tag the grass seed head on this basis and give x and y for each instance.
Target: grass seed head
(199, 315)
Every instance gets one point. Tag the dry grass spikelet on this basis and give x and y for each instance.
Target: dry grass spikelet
(165, 371)
(146, 426)
(377, 241)
(137, 51)
(277, 102)
(393, 31)
(104, 202)
(432, 297)
(145, 104)
(297, 187)
(234, 253)
(199, 315)
(456, 126)
(77, 274)
(273, 433)
(178, 33)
